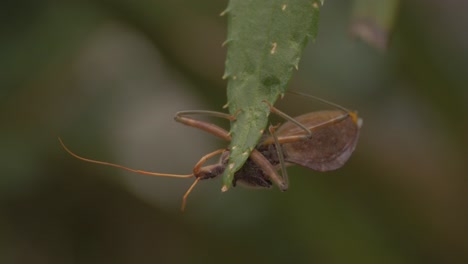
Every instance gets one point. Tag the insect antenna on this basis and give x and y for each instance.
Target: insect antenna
(352, 114)
(123, 167)
(321, 100)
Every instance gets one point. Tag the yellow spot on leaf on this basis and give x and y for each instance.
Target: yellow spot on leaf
(223, 13)
(273, 48)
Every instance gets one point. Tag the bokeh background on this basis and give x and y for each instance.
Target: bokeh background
(108, 76)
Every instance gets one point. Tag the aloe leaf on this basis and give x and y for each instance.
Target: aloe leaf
(265, 43)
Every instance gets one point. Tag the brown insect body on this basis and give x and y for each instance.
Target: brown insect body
(321, 141)
(250, 174)
(329, 147)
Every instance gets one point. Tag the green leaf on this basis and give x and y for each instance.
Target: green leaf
(265, 42)
(373, 21)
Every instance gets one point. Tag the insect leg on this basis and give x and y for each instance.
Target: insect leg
(289, 118)
(269, 169)
(309, 131)
(294, 138)
(208, 156)
(279, 152)
(184, 199)
(196, 171)
(213, 129)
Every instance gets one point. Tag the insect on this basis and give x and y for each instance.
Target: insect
(321, 141)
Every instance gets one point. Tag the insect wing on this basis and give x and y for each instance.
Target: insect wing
(331, 144)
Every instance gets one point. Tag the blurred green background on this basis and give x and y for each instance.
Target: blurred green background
(108, 76)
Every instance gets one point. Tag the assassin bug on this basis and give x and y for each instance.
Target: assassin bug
(320, 140)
